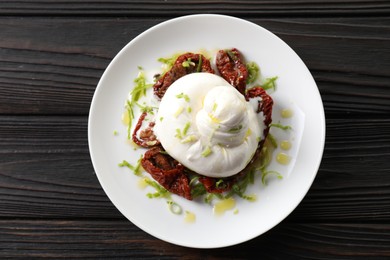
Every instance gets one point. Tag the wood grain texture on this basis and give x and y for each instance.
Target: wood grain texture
(45, 171)
(154, 8)
(59, 239)
(52, 54)
(49, 67)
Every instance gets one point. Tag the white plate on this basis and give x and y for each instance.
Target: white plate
(274, 201)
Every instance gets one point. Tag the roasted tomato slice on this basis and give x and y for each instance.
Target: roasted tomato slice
(168, 172)
(143, 134)
(185, 64)
(232, 68)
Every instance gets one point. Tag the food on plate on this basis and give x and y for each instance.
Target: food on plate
(184, 65)
(232, 68)
(208, 128)
(218, 136)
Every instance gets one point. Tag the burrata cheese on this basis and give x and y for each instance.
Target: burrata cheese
(207, 125)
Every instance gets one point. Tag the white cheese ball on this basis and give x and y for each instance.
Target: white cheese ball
(207, 125)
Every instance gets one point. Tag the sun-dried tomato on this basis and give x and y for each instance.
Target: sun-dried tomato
(146, 137)
(215, 185)
(185, 64)
(168, 172)
(232, 68)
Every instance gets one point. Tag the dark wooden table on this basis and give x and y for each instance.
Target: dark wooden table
(52, 54)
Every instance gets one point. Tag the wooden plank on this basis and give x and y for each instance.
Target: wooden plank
(52, 65)
(169, 8)
(57, 239)
(52, 186)
(45, 170)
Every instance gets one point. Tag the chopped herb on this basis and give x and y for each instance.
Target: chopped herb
(253, 72)
(178, 134)
(115, 132)
(215, 105)
(182, 95)
(174, 207)
(231, 55)
(219, 183)
(189, 109)
(194, 180)
(265, 158)
(160, 191)
(270, 83)
(239, 188)
(140, 67)
(283, 127)
(235, 129)
(178, 112)
(206, 152)
(188, 63)
(189, 139)
(161, 119)
(136, 169)
(125, 163)
(140, 87)
(266, 173)
(199, 68)
(186, 127)
(272, 140)
(130, 117)
(198, 190)
(211, 196)
(248, 133)
(168, 62)
(214, 119)
(145, 108)
(138, 91)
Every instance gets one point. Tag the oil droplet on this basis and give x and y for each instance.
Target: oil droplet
(286, 113)
(285, 145)
(189, 217)
(283, 158)
(142, 184)
(125, 117)
(132, 144)
(224, 205)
